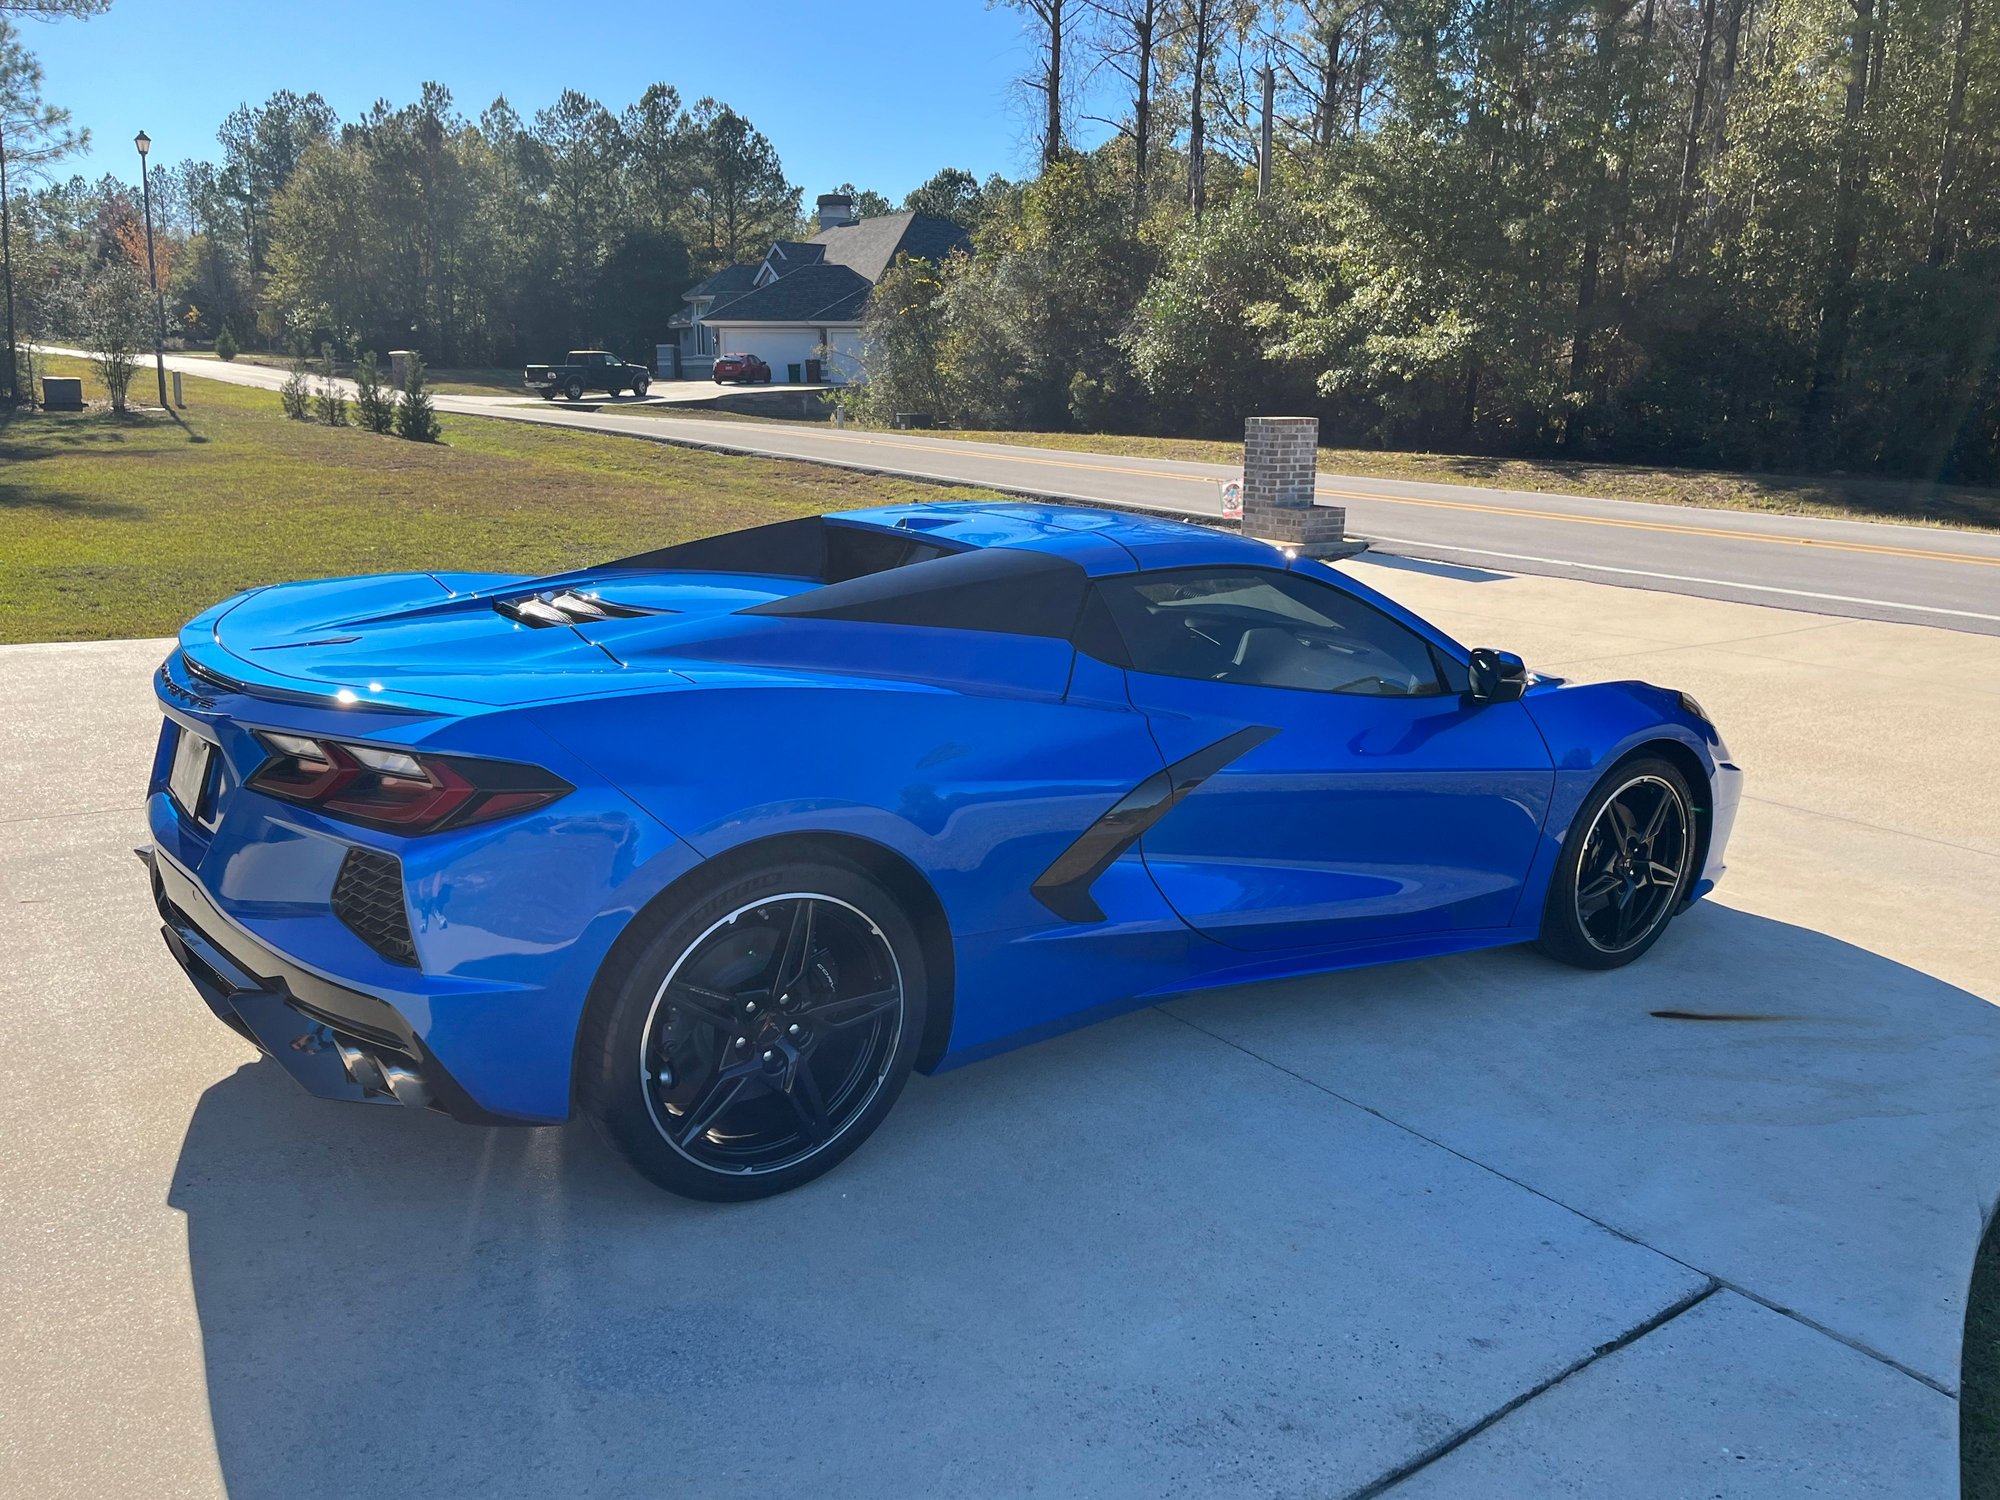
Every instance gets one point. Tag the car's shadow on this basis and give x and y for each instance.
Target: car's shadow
(1131, 1255)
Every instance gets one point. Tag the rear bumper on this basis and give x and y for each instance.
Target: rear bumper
(338, 1043)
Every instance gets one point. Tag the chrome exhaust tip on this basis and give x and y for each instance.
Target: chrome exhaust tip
(380, 1078)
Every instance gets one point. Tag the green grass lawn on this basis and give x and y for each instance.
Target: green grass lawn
(115, 527)
(1805, 495)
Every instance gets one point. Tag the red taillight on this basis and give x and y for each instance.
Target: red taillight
(400, 790)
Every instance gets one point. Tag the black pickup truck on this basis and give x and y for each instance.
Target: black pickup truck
(587, 370)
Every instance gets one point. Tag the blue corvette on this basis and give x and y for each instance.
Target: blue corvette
(715, 844)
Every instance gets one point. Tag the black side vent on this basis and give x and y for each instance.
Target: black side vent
(368, 897)
(565, 608)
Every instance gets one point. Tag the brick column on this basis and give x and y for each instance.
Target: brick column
(1279, 471)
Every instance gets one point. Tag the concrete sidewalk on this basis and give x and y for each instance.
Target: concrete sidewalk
(1475, 1227)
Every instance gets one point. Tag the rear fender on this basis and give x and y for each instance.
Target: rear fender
(979, 794)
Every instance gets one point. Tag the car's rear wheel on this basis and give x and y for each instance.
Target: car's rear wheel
(756, 1039)
(574, 390)
(1625, 868)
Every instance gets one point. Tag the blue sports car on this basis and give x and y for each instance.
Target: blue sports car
(716, 843)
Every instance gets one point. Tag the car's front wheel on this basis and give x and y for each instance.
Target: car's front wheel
(756, 1037)
(1625, 868)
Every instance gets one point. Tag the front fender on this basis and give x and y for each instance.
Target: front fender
(1590, 727)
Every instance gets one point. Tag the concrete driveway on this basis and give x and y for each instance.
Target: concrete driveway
(1474, 1227)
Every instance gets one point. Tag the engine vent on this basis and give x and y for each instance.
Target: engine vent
(564, 608)
(368, 898)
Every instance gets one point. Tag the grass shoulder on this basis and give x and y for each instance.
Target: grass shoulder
(125, 526)
(471, 381)
(1839, 497)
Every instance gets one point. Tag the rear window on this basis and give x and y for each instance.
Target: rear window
(998, 589)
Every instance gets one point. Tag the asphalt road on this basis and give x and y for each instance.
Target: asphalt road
(1477, 1226)
(1919, 574)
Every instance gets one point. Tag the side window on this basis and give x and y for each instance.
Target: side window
(1258, 627)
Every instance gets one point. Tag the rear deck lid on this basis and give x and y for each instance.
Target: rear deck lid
(487, 639)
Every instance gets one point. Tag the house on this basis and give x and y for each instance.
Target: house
(692, 339)
(805, 299)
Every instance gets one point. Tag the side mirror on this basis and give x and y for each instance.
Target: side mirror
(1497, 676)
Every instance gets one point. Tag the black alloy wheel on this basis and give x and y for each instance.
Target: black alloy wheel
(770, 1035)
(1617, 886)
(760, 1039)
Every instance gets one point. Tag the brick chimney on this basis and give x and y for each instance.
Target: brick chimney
(835, 209)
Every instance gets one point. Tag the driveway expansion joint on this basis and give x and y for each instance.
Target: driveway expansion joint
(1472, 1430)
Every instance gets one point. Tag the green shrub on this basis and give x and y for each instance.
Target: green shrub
(296, 393)
(329, 401)
(374, 402)
(225, 343)
(416, 417)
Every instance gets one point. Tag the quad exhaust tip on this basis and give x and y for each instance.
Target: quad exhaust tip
(379, 1078)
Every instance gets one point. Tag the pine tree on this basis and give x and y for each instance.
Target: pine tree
(329, 401)
(296, 393)
(374, 403)
(225, 343)
(416, 418)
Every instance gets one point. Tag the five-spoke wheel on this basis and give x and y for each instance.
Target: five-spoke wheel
(1625, 868)
(772, 1032)
(763, 1036)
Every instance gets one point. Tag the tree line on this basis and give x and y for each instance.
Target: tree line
(1752, 233)
(1755, 233)
(477, 241)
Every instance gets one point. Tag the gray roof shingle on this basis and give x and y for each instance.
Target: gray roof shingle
(827, 279)
(730, 281)
(869, 246)
(811, 294)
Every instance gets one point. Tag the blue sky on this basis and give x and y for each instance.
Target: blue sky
(881, 93)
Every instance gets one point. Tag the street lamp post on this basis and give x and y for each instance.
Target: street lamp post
(13, 371)
(145, 143)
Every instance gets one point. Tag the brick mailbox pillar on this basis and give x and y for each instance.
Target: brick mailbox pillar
(1279, 471)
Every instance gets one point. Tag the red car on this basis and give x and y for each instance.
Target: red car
(745, 369)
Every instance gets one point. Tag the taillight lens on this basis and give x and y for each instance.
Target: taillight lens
(404, 791)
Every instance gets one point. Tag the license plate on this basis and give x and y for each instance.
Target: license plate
(188, 780)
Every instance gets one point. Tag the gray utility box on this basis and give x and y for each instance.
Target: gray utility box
(62, 393)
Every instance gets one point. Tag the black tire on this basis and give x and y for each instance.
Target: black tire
(1625, 870)
(574, 390)
(639, 387)
(719, 380)
(823, 1044)
(549, 394)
